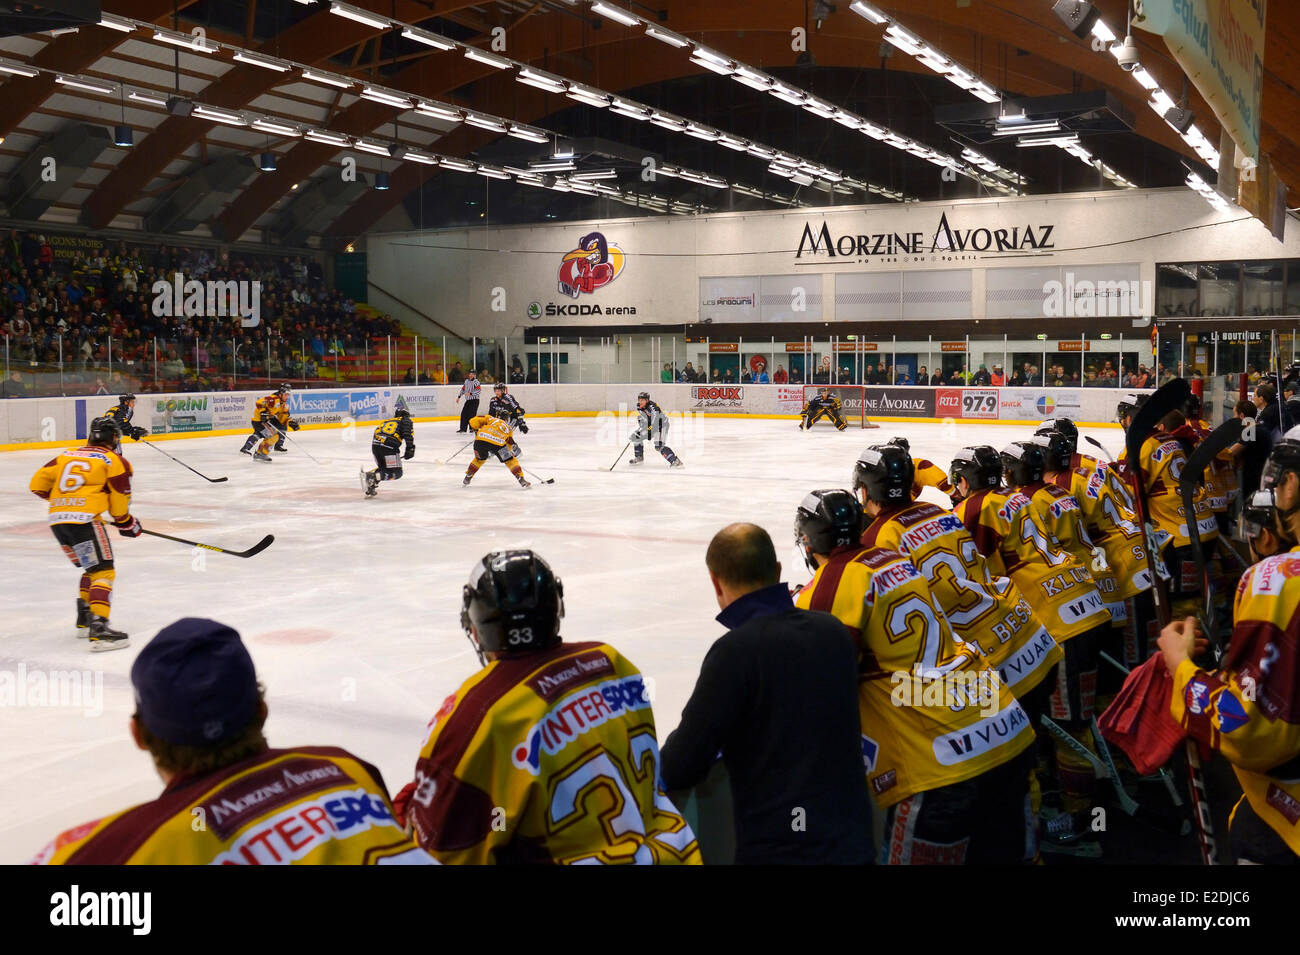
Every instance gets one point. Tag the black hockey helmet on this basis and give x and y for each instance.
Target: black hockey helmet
(1192, 407)
(1065, 427)
(980, 465)
(1023, 462)
(901, 443)
(886, 472)
(499, 386)
(513, 603)
(400, 409)
(1284, 457)
(1057, 450)
(1129, 405)
(826, 520)
(104, 432)
(126, 397)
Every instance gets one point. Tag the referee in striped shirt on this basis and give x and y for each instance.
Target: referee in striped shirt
(469, 390)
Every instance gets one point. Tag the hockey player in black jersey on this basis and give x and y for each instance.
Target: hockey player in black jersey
(121, 413)
(385, 444)
(652, 425)
(822, 405)
(504, 406)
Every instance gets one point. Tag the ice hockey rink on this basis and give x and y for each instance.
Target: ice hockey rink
(352, 614)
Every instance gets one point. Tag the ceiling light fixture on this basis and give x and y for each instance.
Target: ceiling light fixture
(428, 39)
(360, 16)
(491, 59)
(868, 11)
(667, 36)
(116, 23)
(267, 64)
(89, 86)
(615, 14)
(382, 96)
(542, 81)
(330, 139)
(194, 43)
(329, 79)
(274, 128)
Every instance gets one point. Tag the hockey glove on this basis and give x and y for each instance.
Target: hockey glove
(138, 433)
(293, 425)
(410, 452)
(128, 526)
(523, 426)
(402, 803)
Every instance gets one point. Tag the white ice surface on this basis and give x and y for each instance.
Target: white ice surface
(352, 615)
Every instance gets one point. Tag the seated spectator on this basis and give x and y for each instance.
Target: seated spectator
(904, 378)
(796, 375)
(922, 376)
(439, 376)
(200, 713)
(689, 373)
(409, 377)
(533, 375)
(746, 378)
(997, 379)
(779, 377)
(760, 375)
(457, 374)
(15, 387)
(517, 376)
(666, 375)
(981, 378)
(728, 377)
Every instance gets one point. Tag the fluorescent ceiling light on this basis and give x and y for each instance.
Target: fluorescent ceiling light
(598, 174)
(665, 36)
(382, 96)
(1017, 129)
(1145, 78)
(905, 41)
(868, 11)
(527, 133)
(731, 142)
(116, 23)
(492, 173)
(585, 94)
(564, 165)
(360, 16)
(149, 98)
(1161, 102)
(332, 139)
(17, 69)
(369, 147)
(267, 64)
(672, 172)
(702, 132)
(752, 78)
(819, 107)
(277, 129)
(428, 39)
(439, 112)
(543, 81)
(485, 122)
(329, 79)
(760, 152)
(460, 165)
(874, 131)
(1103, 32)
(801, 179)
(615, 14)
(218, 115)
(782, 92)
(667, 120)
(722, 69)
(934, 60)
(1069, 139)
(531, 181)
(985, 92)
(961, 78)
(89, 86)
(491, 59)
(848, 119)
(630, 110)
(420, 158)
(194, 44)
(704, 53)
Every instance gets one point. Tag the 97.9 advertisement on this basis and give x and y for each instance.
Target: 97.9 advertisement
(966, 403)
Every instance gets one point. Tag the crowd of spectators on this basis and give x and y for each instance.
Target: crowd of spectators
(61, 312)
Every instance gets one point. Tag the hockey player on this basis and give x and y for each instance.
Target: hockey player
(514, 758)
(122, 413)
(984, 610)
(1163, 457)
(1216, 493)
(1264, 532)
(80, 484)
(1008, 531)
(822, 405)
(925, 697)
(384, 445)
(652, 425)
(1109, 472)
(265, 415)
(504, 406)
(228, 798)
(926, 472)
(282, 420)
(493, 436)
(1249, 708)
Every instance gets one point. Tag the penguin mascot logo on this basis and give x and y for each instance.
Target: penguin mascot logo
(592, 265)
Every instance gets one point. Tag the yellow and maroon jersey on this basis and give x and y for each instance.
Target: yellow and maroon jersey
(1216, 486)
(270, 406)
(492, 430)
(1160, 466)
(313, 805)
(933, 711)
(548, 757)
(1113, 528)
(82, 483)
(1116, 485)
(985, 610)
(1008, 532)
(1249, 710)
(929, 474)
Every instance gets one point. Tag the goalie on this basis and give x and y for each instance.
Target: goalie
(822, 405)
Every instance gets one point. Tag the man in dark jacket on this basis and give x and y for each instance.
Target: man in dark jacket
(1271, 423)
(777, 698)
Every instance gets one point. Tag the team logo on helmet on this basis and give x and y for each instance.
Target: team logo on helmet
(591, 266)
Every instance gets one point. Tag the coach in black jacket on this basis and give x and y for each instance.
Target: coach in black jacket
(777, 697)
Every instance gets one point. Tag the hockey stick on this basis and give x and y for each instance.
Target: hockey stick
(620, 455)
(1171, 396)
(539, 477)
(295, 443)
(462, 448)
(257, 548)
(184, 465)
(1093, 441)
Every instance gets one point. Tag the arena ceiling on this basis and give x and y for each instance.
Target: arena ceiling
(711, 141)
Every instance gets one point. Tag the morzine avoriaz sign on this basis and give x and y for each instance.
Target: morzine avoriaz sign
(948, 238)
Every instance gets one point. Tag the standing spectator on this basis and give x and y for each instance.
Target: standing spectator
(469, 390)
(1271, 422)
(779, 377)
(777, 701)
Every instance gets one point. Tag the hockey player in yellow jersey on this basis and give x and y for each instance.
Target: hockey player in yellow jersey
(266, 416)
(1163, 457)
(822, 405)
(494, 437)
(228, 798)
(283, 421)
(549, 753)
(1248, 708)
(1008, 531)
(985, 610)
(947, 747)
(80, 484)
